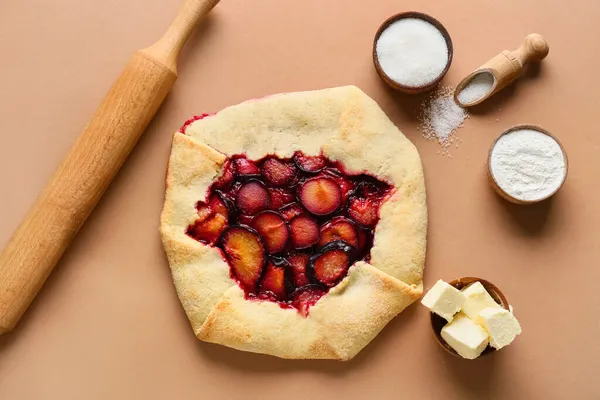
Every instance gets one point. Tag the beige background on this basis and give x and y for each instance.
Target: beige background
(108, 323)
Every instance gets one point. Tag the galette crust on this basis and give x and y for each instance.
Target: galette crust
(348, 126)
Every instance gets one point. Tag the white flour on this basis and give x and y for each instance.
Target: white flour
(527, 164)
(477, 88)
(412, 52)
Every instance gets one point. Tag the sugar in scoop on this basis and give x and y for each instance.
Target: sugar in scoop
(477, 88)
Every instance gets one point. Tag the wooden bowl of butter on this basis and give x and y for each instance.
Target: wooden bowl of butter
(470, 317)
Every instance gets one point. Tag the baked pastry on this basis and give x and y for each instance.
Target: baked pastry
(295, 225)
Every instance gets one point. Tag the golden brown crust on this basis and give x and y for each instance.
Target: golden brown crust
(347, 126)
(339, 325)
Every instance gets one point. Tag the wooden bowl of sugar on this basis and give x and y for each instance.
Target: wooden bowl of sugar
(437, 322)
(526, 164)
(412, 52)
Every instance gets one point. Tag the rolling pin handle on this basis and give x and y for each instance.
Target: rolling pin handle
(90, 166)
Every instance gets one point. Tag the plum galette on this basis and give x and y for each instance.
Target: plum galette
(295, 225)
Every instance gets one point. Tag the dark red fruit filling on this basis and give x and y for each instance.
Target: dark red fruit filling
(227, 177)
(278, 173)
(330, 264)
(274, 283)
(246, 255)
(245, 167)
(252, 197)
(339, 228)
(193, 119)
(290, 228)
(305, 231)
(306, 297)
(298, 263)
(290, 211)
(212, 220)
(320, 195)
(273, 229)
(280, 198)
(310, 163)
(346, 185)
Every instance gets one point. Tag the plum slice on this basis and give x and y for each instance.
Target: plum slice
(227, 203)
(363, 206)
(245, 253)
(227, 176)
(278, 173)
(212, 220)
(320, 196)
(289, 228)
(310, 164)
(274, 279)
(217, 204)
(339, 228)
(331, 263)
(306, 297)
(363, 211)
(245, 167)
(290, 211)
(252, 197)
(298, 263)
(346, 186)
(280, 198)
(273, 230)
(304, 231)
(209, 230)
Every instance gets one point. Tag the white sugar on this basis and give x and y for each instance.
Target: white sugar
(477, 88)
(412, 52)
(527, 164)
(440, 117)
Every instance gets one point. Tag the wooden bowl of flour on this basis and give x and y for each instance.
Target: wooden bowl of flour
(524, 168)
(424, 86)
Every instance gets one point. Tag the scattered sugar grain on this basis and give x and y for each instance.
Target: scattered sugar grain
(412, 52)
(441, 117)
(477, 88)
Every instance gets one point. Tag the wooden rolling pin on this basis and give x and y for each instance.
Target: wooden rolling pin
(505, 68)
(92, 163)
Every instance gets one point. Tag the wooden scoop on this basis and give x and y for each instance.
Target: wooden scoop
(92, 163)
(504, 68)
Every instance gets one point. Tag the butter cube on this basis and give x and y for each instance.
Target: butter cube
(466, 337)
(477, 298)
(444, 300)
(501, 325)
